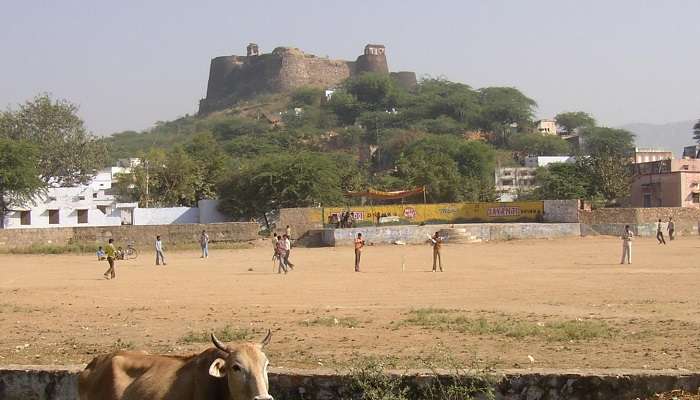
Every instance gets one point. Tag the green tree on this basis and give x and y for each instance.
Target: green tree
(570, 122)
(436, 98)
(281, 180)
(535, 144)
(68, 154)
(345, 106)
(19, 175)
(609, 154)
(437, 172)
(161, 180)
(696, 131)
(375, 92)
(505, 106)
(232, 127)
(210, 163)
(562, 181)
(306, 96)
(451, 168)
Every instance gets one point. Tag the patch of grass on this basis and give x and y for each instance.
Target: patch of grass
(507, 326)
(212, 246)
(123, 345)
(225, 334)
(15, 308)
(371, 379)
(143, 308)
(331, 321)
(74, 248)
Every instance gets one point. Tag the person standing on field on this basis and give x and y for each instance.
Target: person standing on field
(204, 242)
(287, 251)
(627, 245)
(288, 231)
(437, 246)
(280, 252)
(160, 257)
(671, 228)
(111, 253)
(660, 232)
(274, 246)
(359, 244)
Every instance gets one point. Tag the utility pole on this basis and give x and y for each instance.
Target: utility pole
(146, 183)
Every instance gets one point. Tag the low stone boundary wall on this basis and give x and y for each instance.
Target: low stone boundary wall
(60, 383)
(139, 234)
(643, 221)
(645, 229)
(416, 234)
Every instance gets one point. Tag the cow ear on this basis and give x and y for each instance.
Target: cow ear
(217, 369)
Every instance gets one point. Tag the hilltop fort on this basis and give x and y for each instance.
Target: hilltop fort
(232, 78)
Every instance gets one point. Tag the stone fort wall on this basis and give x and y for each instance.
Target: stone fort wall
(232, 78)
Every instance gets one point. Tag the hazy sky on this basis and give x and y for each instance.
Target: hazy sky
(130, 63)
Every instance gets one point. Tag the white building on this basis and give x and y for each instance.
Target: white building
(543, 161)
(512, 181)
(642, 155)
(546, 126)
(94, 204)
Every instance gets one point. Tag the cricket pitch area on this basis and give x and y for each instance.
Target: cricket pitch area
(564, 303)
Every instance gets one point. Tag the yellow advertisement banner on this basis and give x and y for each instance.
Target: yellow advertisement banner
(524, 211)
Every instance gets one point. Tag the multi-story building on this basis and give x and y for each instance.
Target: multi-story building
(513, 181)
(642, 155)
(666, 183)
(546, 126)
(92, 204)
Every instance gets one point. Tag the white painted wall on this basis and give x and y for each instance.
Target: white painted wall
(68, 201)
(166, 216)
(209, 212)
(543, 161)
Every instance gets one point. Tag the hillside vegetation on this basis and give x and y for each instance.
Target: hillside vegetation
(303, 149)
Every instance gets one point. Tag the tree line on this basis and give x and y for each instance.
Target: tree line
(443, 135)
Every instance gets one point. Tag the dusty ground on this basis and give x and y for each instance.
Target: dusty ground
(518, 304)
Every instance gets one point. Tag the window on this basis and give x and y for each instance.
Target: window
(81, 197)
(53, 217)
(696, 198)
(82, 216)
(25, 217)
(103, 209)
(507, 182)
(94, 195)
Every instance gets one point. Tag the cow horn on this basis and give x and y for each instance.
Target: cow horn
(218, 343)
(267, 339)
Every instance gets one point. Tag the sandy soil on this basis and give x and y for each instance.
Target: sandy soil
(514, 304)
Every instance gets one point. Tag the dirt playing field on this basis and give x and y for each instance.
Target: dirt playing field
(518, 304)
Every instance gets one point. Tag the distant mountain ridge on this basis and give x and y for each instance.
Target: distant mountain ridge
(672, 136)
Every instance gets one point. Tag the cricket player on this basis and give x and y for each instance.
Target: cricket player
(436, 240)
(627, 245)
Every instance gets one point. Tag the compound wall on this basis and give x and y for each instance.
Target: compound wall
(60, 383)
(140, 235)
(643, 221)
(416, 234)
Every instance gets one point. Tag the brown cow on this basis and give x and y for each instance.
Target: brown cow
(126, 375)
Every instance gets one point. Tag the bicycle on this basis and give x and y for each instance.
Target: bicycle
(130, 252)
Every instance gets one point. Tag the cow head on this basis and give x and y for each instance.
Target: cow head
(245, 368)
